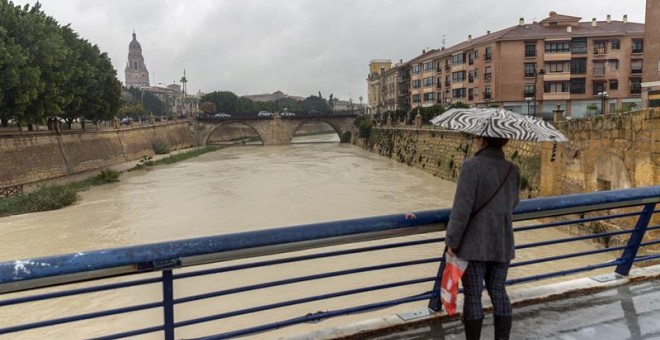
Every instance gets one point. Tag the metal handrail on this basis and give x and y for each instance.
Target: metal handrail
(164, 257)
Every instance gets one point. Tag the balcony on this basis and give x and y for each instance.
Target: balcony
(530, 54)
(557, 76)
(447, 83)
(528, 94)
(636, 71)
(556, 96)
(561, 56)
(447, 67)
(487, 96)
(488, 56)
(599, 51)
(488, 76)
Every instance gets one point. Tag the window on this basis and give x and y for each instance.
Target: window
(530, 50)
(614, 64)
(578, 46)
(447, 82)
(600, 47)
(428, 66)
(579, 66)
(636, 66)
(458, 93)
(439, 82)
(599, 68)
(470, 94)
(415, 98)
(615, 44)
(429, 96)
(614, 84)
(556, 86)
(416, 83)
(557, 47)
(476, 74)
(488, 55)
(458, 76)
(470, 76)
(635, 86)
(487, 74)
(458, 59)
(530, 70)
(557, 67)
(578, 85)
(529, 90)
(638, 46)
(430, 81)
(487, 94)
(470, 59)
(416, 69)
(597, 87)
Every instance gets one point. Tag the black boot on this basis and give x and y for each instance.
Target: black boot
(502, 327)
(472, 329)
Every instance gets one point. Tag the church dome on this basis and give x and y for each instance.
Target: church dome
(134, 43)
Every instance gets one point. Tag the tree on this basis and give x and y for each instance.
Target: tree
(364, 125)
(225, 101)
(208, 107)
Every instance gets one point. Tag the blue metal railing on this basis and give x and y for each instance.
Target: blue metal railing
(180, 260)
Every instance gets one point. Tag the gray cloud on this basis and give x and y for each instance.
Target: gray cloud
(297, 46)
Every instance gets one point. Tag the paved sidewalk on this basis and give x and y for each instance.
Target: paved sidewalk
(626, 312)
(610, 308)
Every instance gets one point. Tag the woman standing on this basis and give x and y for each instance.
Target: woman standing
(480, 231)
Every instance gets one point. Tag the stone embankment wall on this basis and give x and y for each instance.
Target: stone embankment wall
(609, 152)
(35, 157)
(441, 152)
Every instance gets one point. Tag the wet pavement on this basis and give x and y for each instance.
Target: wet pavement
(631, 311)
(602, 307)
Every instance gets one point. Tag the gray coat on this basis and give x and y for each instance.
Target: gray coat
(488, 236)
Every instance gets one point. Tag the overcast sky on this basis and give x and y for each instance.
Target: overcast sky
(300, 47)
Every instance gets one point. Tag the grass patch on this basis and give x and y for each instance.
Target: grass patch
(52, 197)
(182, 156)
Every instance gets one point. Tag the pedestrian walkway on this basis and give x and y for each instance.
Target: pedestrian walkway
(625, 308)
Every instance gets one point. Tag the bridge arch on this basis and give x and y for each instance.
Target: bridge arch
(216, 129)
(337, 128)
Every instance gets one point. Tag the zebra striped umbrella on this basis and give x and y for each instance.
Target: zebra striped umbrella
(498, 123)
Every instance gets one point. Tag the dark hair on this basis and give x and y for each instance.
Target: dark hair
(497, 142)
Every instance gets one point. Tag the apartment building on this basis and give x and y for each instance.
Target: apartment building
(532, 68)
(651, 79)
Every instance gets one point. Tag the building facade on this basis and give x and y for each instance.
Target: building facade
(651, 80)
(136, 73)
(532, 68)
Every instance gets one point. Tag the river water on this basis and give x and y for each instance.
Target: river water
(238, 189)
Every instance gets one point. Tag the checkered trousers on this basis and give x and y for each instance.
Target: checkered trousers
(494, 274)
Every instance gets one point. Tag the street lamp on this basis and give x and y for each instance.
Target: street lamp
(529, 101)
(603, 98)
(536, 76)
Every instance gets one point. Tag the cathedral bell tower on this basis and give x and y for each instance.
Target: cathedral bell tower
(136, 71)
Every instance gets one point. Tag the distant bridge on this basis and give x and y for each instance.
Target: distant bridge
(274, 130)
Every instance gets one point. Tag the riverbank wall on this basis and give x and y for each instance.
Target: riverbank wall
(441, 152)
(29, 158)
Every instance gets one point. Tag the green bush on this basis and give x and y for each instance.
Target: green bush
(160, 148)
(45, 198)
(364, 125)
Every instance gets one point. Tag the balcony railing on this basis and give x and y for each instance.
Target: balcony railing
(488, 57)
(600, 50)
(487, 76)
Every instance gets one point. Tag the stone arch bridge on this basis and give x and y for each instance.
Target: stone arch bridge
(274, 130)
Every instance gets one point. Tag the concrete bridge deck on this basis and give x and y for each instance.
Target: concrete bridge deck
(625, 308)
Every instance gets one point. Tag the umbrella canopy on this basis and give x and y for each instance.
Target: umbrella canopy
(498, 123)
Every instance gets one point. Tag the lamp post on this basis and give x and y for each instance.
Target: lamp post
(603, 98)
(536, 76)
(529, 101)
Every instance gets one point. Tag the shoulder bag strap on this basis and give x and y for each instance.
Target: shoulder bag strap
(504, 180)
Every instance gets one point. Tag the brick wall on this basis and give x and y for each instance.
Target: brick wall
(35, 157)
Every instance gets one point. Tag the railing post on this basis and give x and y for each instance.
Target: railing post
(636, 237)
(434, 302)
(168, 304)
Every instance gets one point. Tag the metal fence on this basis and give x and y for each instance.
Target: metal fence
(161, 267)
